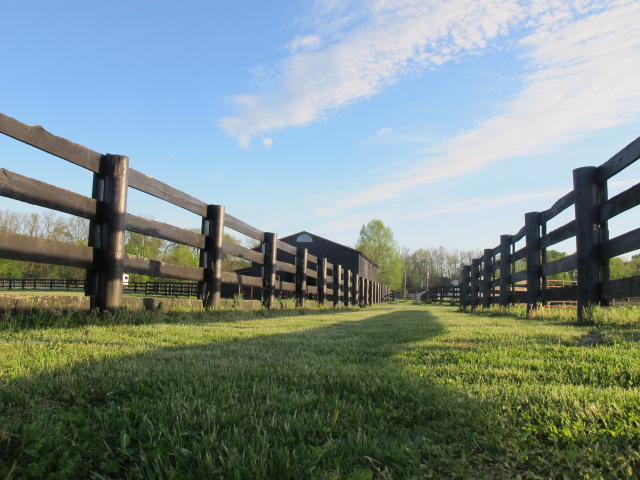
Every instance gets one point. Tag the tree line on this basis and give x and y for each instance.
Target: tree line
(75, 230)
(406, 270)
(400, 268)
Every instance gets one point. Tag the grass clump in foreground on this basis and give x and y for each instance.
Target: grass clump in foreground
(394, 391)
(618, 316)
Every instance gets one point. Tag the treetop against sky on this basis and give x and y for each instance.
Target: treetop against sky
(445, 120)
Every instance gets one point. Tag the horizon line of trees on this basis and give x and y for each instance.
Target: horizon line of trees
(402, 268)
(398, 267)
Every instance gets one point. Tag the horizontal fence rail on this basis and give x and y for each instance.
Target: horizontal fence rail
(494, 279)
(104, 259)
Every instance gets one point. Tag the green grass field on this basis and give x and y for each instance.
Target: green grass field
(393, 392)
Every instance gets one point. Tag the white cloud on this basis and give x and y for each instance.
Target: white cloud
(267, 142)
(368, 45)
(583, 78)
(306, 43)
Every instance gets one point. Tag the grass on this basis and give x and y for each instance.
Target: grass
(395, 391)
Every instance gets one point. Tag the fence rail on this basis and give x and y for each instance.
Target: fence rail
(492, 279)
(105, 261)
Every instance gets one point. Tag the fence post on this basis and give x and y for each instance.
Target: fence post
(505, 269)
(112, 231)
(213, 257)
(337, 273)
(270, 254)
(475, 282)
(592, 269)
(486, 280)
(347, 288)
(465, 273)
(356, 289)
(365, 291)
(532, 224)
(301, 276)
(92, 276)
(322, 281)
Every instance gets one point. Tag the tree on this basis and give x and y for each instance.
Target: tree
(376, 242)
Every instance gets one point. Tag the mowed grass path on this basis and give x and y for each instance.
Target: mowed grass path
(395, 391)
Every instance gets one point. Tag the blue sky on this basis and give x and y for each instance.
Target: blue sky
(447, 120)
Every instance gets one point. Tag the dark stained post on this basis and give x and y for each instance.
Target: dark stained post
(505, 269)
(347, 288)
(589, 193)
(337, 274)
(114, 210)
(204, 230)
(356, 289)
(365, 291)
(475, 282)
(532, 224)
(92, 278)
(270, 252)
(370, 292)
(301, 277)
(487, 260)
(213, 245)
(465, 294)
(322, 281)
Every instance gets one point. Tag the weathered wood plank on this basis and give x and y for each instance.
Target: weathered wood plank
(621, 288)
(285, 247)
(242, 252)
(30, 249)
(518, 236)
(311, 290)
(285, 286)
(559, 234)
(558, 294)
(312, 258)
(285, 267)
(519, 254)
(559, 207)
(154, 268)
(243, 280)
(165, 231)
(565, 264)
(38, 137)
(519, 276)
(625, 243)
(619, 161)
(311, 273)
(241, 227)
(35, 192)
(161, 190)
(620, 203)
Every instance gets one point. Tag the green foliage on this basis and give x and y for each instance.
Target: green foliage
(377, 243)
(395, 391)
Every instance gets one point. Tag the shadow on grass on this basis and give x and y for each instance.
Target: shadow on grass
(332, 401)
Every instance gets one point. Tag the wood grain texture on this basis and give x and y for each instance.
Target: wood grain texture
(35, 192)
(619, 161)
(29, 249)
(161, 190)
(38, 137)
(164, 231)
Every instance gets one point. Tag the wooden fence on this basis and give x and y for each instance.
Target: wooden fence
(104, 258)
(492, 279)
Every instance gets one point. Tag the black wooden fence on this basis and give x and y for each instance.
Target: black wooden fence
(492, 279)
(105, 261)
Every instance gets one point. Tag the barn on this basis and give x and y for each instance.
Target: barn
(335, 253)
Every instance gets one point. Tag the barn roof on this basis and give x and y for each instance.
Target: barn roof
(296, 235)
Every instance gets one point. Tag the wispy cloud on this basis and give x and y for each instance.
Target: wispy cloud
(583, 78)
(359, 47)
